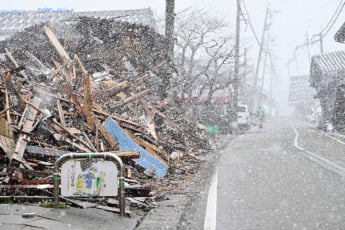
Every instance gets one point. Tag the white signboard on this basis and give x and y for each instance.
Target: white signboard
(100, 179)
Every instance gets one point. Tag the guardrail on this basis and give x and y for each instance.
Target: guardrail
(79, 156)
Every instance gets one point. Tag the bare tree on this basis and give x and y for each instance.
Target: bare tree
(219, 68)
(202, 56)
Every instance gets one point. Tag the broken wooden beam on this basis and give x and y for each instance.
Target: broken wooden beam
(131, 98)
(61, 112)
(71, 134)
(106, 135)
(27, 128)
(88, 102)
(55, 42)
(44, 153)
(101, 95)
(9, 55)
(75, 101)
(7, 143)
(7, 106)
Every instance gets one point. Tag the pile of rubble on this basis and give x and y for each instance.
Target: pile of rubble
(112, 96)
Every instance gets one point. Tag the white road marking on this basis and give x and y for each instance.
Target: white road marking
(336, 139)
(316, 155)
(296, 140)
(211, 208)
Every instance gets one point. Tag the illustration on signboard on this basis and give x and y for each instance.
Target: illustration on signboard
(89, 182)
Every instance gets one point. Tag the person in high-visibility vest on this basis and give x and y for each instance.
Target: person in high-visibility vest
(260, 113)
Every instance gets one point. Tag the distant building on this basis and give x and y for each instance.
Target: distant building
(327, 77)
(301, 94)
(15, 21)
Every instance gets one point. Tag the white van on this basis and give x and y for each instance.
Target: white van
(243, 116)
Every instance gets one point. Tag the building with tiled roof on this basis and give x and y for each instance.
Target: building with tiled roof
(327, 77)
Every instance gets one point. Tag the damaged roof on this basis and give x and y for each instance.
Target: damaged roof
(14, 22)
(340, 34)
(329, 62)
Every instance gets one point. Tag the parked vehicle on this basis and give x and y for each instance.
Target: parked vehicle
(243, 116)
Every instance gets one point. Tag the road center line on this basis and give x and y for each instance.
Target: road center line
(211, 207)
(316, 155)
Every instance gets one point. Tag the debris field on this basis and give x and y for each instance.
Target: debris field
(93, 85)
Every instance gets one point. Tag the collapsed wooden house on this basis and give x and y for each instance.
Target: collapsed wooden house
(95, 87)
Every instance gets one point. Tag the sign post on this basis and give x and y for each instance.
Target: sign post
(97, 180)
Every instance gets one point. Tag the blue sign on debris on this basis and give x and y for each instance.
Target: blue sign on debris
(146, 160)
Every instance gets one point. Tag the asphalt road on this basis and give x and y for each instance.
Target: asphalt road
(287, 175)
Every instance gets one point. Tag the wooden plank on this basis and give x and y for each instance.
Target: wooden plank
(88, 102)
(6, 138)
(150, 114)
(61, 113)
(27, 128)
(55, 42)
(7, 105)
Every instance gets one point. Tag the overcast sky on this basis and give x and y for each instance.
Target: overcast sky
(292, 21)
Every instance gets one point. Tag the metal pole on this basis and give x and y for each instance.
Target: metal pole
(107, 156)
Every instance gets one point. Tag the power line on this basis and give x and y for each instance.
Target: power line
(334, 18)
(324, 31)
(252, 27)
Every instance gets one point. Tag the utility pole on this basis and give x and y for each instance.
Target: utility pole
(237, 60)
(169, 26)
(308, 46)
(243, 82)
(261, 49)
(263, 73)
(264, 68)
(256, 94)
(271, 85)
(321, 41)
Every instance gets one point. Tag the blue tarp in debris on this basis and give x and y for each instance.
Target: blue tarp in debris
(146, 160)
